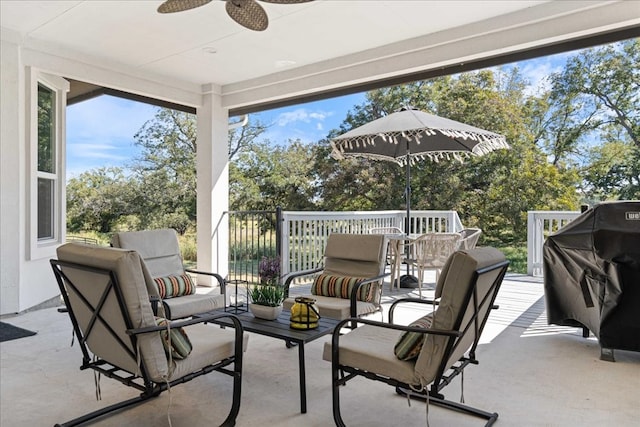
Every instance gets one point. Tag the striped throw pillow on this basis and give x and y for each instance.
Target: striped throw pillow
(341, 286)
(175, 340)
(410, 344)
(175, 286)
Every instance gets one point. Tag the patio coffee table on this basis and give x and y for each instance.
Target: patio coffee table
(279, 328)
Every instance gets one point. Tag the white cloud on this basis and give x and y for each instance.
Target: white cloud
(537, 71)
(108, 116)
(100, 132)
(97, 151)
(301, 115)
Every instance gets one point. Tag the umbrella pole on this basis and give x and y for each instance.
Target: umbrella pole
(407, 192)
(408, 280)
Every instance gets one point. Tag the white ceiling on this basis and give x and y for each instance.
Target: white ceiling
(308, 47)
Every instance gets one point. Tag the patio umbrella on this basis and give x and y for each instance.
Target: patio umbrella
(410, 135)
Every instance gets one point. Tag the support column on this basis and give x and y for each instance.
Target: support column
(212, 164)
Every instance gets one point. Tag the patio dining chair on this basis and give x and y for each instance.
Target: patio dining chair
(349, 283)
(395, 249)
(431, 251)
(469, 239)
(422, 358)
(121, 338)
(169, 283)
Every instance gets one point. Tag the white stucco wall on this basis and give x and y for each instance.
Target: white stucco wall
(24, 282)
(12, 173)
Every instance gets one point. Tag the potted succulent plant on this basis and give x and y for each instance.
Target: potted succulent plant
(267, 296)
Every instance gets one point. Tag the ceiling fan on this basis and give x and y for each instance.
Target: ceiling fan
(247, 13)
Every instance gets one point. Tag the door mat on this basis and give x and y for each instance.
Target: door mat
(9, 332)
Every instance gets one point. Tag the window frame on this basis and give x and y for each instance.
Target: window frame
(45, 247)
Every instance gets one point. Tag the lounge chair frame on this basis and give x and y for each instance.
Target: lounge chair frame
(140, 380)
(341, 374)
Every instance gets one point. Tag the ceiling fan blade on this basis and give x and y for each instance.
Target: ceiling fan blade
(248, 13)
(171, 6)
(286, 1)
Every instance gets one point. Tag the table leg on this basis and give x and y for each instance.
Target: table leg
(398, 264)
(303, 385)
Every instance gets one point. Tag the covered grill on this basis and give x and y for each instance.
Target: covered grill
(592, 275)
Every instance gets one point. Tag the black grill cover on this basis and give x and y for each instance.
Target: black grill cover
(592, 274)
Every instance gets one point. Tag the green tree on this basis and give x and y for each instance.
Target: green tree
(265, 176)
(167, 167)
(160, 191)
(97, 199)
(166, 170)
(590, 112)
(493, 192)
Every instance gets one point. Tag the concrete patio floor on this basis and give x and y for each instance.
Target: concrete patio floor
(531, 373)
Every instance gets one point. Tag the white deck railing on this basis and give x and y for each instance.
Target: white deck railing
(540, 224)
(304, 234)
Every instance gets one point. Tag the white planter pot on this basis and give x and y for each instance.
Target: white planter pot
(265, 312)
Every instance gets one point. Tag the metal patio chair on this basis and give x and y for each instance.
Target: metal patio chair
(431, 251)
(395, 250)
(166, 278)
(424, 357)
(349, 283)
(119, 336)
(469, 239)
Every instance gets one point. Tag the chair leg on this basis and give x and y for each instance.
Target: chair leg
(230, 421)
(107, 410)
(335, 394)
(490, 417)
(393, 273)
(439, 400)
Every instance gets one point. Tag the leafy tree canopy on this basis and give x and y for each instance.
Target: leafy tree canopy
(576, 140)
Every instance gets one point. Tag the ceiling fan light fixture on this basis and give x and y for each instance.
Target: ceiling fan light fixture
(248, 13)
(172, 6)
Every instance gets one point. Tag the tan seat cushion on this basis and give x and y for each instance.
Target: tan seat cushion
(454, 283)
(127, 266)
(355, 255)
(210, 345)
(335, 308)
(371, 348)
(158, 248)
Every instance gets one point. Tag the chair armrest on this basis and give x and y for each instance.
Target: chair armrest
(409, 300)
(218, 277)
(291, 276)
(187, 322)
(155, 300)
(353, 298)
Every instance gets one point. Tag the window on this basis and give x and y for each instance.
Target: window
(46, 106)
(46, 161)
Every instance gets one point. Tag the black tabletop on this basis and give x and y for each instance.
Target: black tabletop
(279, 328)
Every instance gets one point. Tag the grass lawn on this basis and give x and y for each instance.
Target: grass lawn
(516, 254)
(518, 258)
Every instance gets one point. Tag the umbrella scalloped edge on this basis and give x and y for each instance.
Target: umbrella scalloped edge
(487, 143)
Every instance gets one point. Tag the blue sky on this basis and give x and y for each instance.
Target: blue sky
(100, 131)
